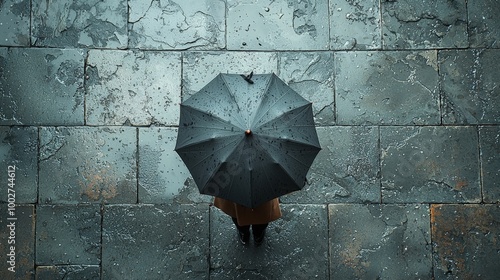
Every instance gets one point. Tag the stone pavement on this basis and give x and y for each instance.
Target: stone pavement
(406, 101)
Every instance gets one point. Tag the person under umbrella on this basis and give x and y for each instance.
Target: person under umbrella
(247, 140)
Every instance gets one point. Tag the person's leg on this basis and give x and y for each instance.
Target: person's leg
(243, 232)
(258, 233)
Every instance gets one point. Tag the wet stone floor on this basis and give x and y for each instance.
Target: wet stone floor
(406, 100)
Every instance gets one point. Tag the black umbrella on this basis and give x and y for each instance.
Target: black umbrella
(247, 139)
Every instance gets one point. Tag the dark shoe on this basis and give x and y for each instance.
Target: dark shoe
(259, 238)
(244, 237)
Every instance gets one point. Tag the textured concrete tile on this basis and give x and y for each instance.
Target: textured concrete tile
(424, 24)
(483, 24)
(345, 170)
(199, 68)
(155, 242)
(41, 86)
(465, 241)
(19, 148)
(311, 74)
(430, 164)
(177, 24)
(68, 235)
(355, 25)
(20, 234)
(80, 23)
(163, 177)
(133, 88)
(277, 25)
(295, 246)
(385, 87)
(470, 86)
(87, 272)
(380, 242)
(87, 165)
(15, 23)
(489, 139)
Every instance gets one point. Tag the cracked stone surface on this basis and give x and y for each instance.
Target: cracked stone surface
(483, 25)
(489, 139)
(424, 24)
(284, 253)
(80, 23)
(164, 178)
(87, 165)
(355, 24)
(132, 88)
(161, 241)
(380, 241)
(345, 170)
(199, 68)
(470, 86)
(191, 24)
(68, 235)
(90, 272)
(15, 23)
(465, 241)
(24, 242)
(383, 88)
(41, 86)
(312, 75)
(19, 148)
(277, 25)
(430, 164)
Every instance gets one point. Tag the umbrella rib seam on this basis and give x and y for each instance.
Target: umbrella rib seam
(225, 83)
(254, 122)
(214, 152)
(304, 107)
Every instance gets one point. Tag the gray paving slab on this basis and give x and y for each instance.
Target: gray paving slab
(465, 241)
(88, 165)
(19, 149)
(155, 241)
(489, 140)
(15, 23)
(386, 87)
(430, 164)
(345, 170)
(17, 241)
(355, 25)
(470, 86)
(277, 25)
(424, 25)
(68, 235)
(199, 68)
(41, 86)
(163, 177)
(483, 26)
(132, 87)
(295, 246)
(380, 241)
(164, 25)
(311, 74)
(81, 23)
(68, 272)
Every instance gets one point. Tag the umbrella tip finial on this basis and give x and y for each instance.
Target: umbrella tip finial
(248, 132)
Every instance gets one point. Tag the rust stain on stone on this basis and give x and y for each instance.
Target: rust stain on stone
(461, 184)
(98, 184)
(452, 228)
(350, 257)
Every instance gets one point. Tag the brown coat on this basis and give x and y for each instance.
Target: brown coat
(265, 213)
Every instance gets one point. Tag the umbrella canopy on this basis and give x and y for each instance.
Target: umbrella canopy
(247, 139)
